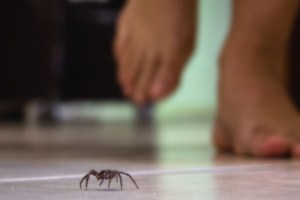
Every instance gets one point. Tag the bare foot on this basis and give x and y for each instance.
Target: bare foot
(154, 40)
(255, 113)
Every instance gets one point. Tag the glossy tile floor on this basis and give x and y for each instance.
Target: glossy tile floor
(168, 161)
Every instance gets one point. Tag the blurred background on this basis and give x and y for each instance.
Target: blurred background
(59, 53)
(62, 112)
(58, 87)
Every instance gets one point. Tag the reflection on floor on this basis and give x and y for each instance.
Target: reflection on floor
(168, 161)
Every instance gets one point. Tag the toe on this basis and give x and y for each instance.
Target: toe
(166, 81)
(221, 139)
(269, 146)
(296, 151)
(144, 79)
(124, 61)
(134, 70)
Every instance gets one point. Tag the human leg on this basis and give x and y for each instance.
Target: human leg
(256, 115)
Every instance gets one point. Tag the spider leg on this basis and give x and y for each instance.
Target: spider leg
(86, 178)
(109, 182)
(101, 182)
(87, 182)
(117, 178)
(130, 178)
(121, 182)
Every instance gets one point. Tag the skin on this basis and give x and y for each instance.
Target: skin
(154, 40)
(255, 114)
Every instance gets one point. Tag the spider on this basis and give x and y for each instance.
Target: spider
(106, 174)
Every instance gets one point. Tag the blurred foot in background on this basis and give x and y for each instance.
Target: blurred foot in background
(154, 40)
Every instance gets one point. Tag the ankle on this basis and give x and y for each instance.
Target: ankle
(253, 56)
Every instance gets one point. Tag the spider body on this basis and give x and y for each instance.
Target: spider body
(106, 175)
